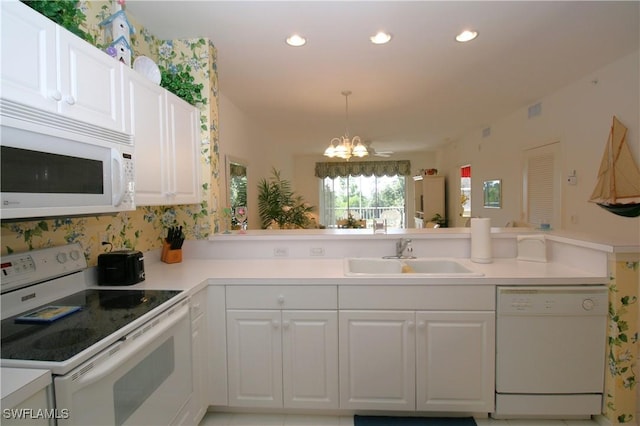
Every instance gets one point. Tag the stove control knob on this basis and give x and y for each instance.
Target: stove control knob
(61, 257)
(587, 304)
(75, 255)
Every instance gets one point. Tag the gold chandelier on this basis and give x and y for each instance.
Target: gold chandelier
(344, 147)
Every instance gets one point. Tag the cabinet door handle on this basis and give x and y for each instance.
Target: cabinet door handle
(70, 100)
(411, 325)
(281, 299)
(285, 325)
(275, 324)
(55, 95)
(422, 324)
(195, 309)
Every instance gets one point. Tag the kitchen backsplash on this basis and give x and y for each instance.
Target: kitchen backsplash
(144, 228)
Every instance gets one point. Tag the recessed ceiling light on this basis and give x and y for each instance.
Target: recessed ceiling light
(296, 40)
(466, 35)
(380, 38)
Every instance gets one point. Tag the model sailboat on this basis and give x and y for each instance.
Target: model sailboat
(618, 186)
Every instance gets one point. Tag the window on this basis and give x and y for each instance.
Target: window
(354, 193)
(465, 191)
(364, 198)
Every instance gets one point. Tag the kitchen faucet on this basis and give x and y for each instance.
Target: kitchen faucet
(404, 244)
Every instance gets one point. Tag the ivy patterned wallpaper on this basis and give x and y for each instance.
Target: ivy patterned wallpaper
(621, 376)
(144, 228)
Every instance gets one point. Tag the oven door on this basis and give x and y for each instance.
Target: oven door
(144, 379)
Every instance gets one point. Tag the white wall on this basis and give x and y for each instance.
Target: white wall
(579, 117)
(236, 141)
(241, 139)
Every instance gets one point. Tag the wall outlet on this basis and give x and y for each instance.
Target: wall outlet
(316, 251)
(281, 252)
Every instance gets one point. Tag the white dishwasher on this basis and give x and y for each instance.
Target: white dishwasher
(550, 351)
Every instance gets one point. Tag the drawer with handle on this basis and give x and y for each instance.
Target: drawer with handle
(282, 297)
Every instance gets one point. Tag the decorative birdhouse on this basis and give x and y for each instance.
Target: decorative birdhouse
(121, 50)
(118, 30)
(116, 26)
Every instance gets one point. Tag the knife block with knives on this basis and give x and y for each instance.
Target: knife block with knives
(172, 246)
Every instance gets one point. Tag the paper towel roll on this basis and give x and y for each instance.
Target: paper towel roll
(481, 240)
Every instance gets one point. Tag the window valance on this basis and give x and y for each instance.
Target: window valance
(237, 170)
(366, 168)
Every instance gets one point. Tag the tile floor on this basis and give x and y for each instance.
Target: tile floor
(228, 419)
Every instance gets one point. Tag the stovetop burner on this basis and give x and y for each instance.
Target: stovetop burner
(102, 312)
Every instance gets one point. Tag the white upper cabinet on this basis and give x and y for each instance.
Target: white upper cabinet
(47, 67)
(167, 141)
(184, 150)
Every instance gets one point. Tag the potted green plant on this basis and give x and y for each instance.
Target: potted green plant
(437, 218)
(64, 13)
(279, 204)
(178, 80)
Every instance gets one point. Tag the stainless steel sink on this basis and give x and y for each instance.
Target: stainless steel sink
(359, 266)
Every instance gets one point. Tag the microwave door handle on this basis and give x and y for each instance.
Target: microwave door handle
(111, 363)
(117, 177)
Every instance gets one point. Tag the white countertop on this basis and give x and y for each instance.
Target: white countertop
(194, 274)
(18, 384)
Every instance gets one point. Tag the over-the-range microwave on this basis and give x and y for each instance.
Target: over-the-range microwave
(52, 165)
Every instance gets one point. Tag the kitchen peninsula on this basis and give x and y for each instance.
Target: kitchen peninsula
(265, 288)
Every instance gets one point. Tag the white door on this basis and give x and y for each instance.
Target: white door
(254, 345)
(377, 360)
(310, 359)
(184, 150)
(148, 125)
(28, 57)
(90, 82)
(455, 361)
(542, 186)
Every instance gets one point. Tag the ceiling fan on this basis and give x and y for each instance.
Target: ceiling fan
(375, 153)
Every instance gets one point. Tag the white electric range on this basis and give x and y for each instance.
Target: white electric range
(118, 355)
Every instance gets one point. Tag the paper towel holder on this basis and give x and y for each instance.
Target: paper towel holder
(492, 191)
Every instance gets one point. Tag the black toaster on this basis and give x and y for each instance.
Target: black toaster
(121, 267)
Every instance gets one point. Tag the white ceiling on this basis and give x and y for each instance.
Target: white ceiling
(420, 90)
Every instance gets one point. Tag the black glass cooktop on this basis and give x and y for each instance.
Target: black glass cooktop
(101, 313)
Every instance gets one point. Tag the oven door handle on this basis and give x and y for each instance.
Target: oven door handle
(112, 362)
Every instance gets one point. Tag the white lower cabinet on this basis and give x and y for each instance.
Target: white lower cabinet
(455, 361)
(425, 361)
(424, 348)
(254, 346)
(402, 348)
(199, 357)
(282, 357)
(310, 359)
(377, 360)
